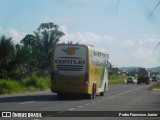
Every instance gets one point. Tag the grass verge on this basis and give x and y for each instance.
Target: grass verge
(116, 79)
(33, 83)
(155, 86)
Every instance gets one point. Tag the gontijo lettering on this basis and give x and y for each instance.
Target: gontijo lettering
(81, 62)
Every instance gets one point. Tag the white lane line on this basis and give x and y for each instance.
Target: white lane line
(71, 109)
(124, 92)
(87, 103)
(27, 102)
(98, 100)
(103, 99)
(80, 106)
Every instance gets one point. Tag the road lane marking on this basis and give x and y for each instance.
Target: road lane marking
(107, 97)
(80, 106)
(98, 100)
(71, 109)
(27, 102)
(87, 103)
(125, 92)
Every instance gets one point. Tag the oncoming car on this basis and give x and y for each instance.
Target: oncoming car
(130, 80)
(154, 79)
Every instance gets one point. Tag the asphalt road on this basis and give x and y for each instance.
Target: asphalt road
(126, 97)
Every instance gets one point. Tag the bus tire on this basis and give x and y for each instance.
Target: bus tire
(93, 94)
(103, 93)
(60, 95)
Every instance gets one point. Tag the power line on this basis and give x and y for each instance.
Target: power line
(156, 47)
(153, 10)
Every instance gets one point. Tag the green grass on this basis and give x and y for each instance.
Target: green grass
(155, 86)
(9, 86)
(33, 83)
(37, 83)
(116, 79)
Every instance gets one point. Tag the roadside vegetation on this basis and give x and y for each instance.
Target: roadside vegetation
(115, 78)
(25, 66)
(32, 83)
(155, 86)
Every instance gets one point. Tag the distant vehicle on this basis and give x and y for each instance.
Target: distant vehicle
(79, 69)
(143, 76)
(155, 79)
(130, 80)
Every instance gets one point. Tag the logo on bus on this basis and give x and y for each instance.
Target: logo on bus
(70, 50)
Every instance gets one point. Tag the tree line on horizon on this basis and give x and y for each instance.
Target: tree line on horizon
(32, 55)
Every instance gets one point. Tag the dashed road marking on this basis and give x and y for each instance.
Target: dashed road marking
(71, 109)
(105, 98)
(80, 106)
(87, 103)
(27, 102)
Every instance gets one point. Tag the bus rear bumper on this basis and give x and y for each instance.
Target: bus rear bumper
(70, 89)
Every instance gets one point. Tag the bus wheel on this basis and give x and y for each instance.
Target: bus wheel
(92, 96)
(60, 95)
(102, 93)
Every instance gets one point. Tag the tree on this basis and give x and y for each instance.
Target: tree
(48, 35)
(6, 50)
(42, 42)
(7, 54)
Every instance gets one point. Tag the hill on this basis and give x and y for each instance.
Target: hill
(154, 69)
(129, 69)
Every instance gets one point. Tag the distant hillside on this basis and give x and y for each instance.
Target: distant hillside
(128, 69)
(154, 69)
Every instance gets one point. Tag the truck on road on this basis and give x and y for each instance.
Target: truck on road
(143, 76)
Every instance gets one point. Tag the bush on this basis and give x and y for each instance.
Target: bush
(37, 82)
(9, 86)
(155, 86)
(3, 74)
(116, 79)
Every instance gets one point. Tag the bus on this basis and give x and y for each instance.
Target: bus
(79, 69)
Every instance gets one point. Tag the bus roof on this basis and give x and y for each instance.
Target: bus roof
(86, 45)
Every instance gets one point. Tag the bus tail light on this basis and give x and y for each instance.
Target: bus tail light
(85, 79)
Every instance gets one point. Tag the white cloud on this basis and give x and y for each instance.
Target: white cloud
(63, 29)
(128, 43)
(139, 52)
(148, 39)
(86, 38)
(144, 56)
(1, 29)
(16, 35)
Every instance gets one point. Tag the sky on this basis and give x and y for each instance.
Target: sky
(122, 29)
